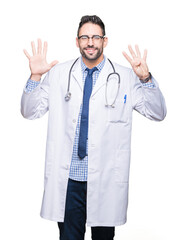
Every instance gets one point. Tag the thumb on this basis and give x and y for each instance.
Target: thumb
(52, 64)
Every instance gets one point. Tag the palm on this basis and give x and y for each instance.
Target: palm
(140, 67)
(138, 64)
(37, 62)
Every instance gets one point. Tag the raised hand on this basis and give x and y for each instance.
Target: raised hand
(37, 62)
(138, 64)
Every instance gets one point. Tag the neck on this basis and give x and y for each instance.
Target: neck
(92, 63)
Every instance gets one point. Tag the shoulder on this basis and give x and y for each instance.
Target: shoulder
(60, 70)
(126, 73)
(119, 67)
(64, 65)
(123, 71)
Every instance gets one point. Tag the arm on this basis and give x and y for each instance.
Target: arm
(34, 102)
(31, 85)
(147, 98)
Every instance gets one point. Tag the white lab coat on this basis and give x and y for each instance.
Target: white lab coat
(109, 138)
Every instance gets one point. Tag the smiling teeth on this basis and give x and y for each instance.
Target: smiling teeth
(90, 50)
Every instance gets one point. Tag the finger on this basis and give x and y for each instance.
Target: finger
(145, 55)
(137, 51)
(45, 48)
(33, 48)
(26, 53)
(131, 51)
(127, 57)
(39, 46)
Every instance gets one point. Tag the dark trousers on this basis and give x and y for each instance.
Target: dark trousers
(74, 225)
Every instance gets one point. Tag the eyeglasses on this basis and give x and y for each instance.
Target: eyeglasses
(95, 38)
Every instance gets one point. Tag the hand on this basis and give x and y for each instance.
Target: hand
(138, 64)
(37, 62)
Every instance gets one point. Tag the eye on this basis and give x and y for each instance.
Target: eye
(96, 37)
(84, 37)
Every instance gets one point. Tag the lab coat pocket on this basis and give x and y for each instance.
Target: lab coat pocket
(122, 165)
(49, 158)
(119, 113)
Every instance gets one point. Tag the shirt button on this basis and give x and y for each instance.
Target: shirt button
(74, 120)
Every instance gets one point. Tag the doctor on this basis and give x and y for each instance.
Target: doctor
(88, 143)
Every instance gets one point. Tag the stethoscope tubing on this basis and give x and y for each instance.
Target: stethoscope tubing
(68, 94)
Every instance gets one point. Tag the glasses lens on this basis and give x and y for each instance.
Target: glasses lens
(84, 37)
(96, 37)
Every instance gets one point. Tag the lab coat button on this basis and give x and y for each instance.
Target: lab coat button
(74, 121)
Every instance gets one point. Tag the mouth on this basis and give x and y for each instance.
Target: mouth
(90, 50)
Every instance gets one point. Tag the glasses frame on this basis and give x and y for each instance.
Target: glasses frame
(93, 37)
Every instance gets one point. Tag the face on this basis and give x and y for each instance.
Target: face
(91, 50)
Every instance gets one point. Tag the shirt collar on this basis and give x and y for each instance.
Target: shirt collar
(99, 66)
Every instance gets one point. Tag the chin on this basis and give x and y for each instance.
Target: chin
(91, 57)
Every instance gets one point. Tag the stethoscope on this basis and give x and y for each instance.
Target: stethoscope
(68, 94)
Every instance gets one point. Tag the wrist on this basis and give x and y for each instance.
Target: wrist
(146, 79)
(35, 77)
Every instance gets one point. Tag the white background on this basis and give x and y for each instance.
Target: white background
(160, 177)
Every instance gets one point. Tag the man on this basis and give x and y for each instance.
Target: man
(89, 130)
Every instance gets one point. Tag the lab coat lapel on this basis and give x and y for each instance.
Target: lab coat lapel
(101, 81)
(77, 74)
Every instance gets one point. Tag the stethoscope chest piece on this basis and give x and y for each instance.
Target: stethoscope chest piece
(68, 96)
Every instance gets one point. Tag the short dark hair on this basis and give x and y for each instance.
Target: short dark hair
(93, 19)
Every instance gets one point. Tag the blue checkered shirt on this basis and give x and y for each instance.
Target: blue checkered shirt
(79, 167)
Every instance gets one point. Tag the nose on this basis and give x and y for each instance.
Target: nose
(90, 41)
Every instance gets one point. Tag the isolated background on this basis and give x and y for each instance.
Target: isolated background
(159, 197)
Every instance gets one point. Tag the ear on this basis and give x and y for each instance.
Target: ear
(77, 43)
(105, 42)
